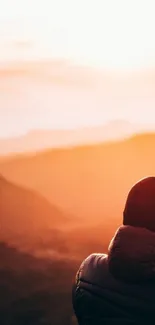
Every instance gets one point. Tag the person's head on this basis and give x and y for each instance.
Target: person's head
(140, 205)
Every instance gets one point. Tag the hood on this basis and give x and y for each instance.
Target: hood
(131, 254)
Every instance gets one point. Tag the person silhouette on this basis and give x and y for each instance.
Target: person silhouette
(119, 287)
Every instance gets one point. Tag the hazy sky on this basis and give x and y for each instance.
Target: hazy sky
(112, 34)
(45, 101)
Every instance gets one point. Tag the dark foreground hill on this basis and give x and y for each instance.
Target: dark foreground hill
(34, 291)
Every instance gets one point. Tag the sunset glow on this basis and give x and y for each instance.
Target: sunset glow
(112, 34)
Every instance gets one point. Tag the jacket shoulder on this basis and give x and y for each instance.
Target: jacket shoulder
(89, 267)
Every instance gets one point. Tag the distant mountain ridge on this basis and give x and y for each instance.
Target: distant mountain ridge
(39, 140)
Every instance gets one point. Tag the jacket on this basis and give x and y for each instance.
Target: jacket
(118, 288)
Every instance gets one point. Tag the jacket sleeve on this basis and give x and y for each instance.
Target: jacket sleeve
(76, 292)
(84, 286)
(80, 297)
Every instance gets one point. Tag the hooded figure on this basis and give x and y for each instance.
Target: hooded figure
(119, 288)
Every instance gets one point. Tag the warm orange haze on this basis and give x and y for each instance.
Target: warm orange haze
(77, 130)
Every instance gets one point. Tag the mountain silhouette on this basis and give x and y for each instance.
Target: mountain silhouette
(90, 182)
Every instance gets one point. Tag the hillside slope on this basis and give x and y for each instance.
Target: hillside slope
(24, 212)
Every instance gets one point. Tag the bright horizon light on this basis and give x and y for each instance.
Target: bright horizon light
(112, 34)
